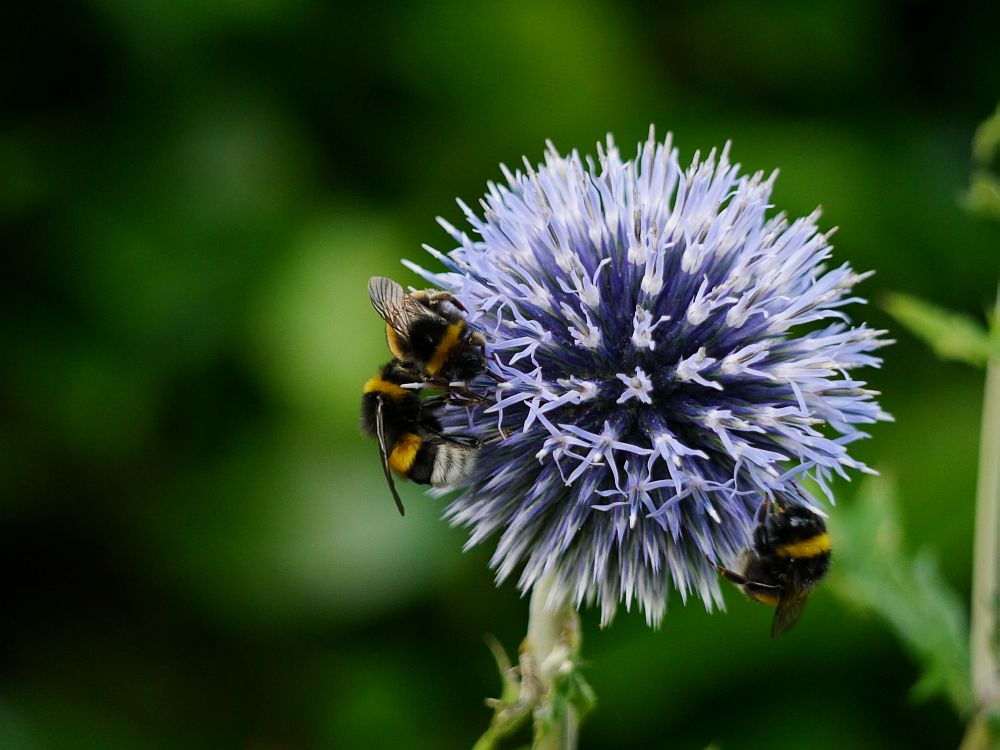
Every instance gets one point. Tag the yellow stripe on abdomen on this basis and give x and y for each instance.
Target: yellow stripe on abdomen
(811, 547)
(392, 339)
(404, 453)
(379, 385)
(769, 599)
(445, 347)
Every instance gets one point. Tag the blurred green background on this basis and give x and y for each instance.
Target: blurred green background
(197, 548)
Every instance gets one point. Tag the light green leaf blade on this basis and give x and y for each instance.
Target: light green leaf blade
(983, 196)
(986, 141)
(951, 335)
(874, 572)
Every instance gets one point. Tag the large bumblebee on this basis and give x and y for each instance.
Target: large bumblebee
(410, 438)
(428, 331)
(790, 554)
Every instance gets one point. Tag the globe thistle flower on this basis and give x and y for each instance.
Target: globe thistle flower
(666, 356)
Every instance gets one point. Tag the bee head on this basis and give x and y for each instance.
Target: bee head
(469, 362)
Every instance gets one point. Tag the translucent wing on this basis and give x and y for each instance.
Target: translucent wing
(789, 610)
(395, 306)
(466, 441)
(386, 295)
(384, 455)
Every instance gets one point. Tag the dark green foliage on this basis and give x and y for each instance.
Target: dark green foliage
(197, 544)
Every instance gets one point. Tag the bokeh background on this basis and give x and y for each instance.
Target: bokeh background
(197, 549)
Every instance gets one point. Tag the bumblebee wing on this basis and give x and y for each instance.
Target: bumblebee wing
(386, 295)
(466, 441)
(789, 610)
(384, 455)
(395, 306)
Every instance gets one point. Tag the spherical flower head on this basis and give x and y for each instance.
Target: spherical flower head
(666, 356)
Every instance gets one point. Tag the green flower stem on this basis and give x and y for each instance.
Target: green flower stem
(552, 645)
(986, 559)
(546, 686)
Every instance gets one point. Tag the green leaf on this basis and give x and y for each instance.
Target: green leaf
(568, 691)
(874, 572)
(582, 695)
(986, 141)
(983, 196)
(951, 335)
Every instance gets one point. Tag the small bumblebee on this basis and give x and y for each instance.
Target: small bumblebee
(409, 433)
(428, 331)
(789, 556)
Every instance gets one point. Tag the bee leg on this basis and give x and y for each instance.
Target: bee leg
(726, 573)
(435, 297)
(464, 394)
(761, 529)
(432, 403)
(453, 391)
(462, 399)
(464, 440)
(731, 576)
(469, 395)
(769, 586)
(734, 577)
